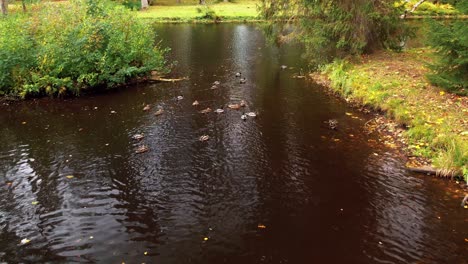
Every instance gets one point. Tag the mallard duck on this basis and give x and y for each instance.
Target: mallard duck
(159, 112)
(244, 116)
(147, 107)
(333, 124)
(234, 106)
(195, 103)
(243, 80)
(216, 83)
(205, 111)
(242, 103)
(238, 74)
(219, 110)
(252, 114)
(180, 97)
(138, 136)
(141, 149)
(204, 138)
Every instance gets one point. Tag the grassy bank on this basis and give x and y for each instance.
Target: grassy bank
(435, 123)
(191, 11)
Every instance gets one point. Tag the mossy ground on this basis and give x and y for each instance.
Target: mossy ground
(435, 122)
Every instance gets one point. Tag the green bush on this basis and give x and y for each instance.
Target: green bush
(68, 47)
(451, 42)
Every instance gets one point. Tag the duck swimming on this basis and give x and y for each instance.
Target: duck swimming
(195, 103)
(180, 97)
(244, 116)
(138, 136)
(204, 138)
(243, 80)
(242, 103)
(234, 106)
(238, 74)
(216, 83)
(147, 107)
(219, 110)
(159, 112)
(141, 149)
(252, 114)
(205, 111)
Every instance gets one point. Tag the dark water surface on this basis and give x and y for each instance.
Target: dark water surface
(279, 188)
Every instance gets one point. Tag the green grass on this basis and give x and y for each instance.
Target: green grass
(191, 11)
(396, 83)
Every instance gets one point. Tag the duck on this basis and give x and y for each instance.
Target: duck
(138, 136)
(159, 112)
(204, 138)
(195, 103)
(205, 111)
(244, 116)
(238, 74)
(219, 110)
(180, 97)
(333, 124)
(214, 87)
(216, 83)
(147, 107)
(234, 106)
(141, 149)
(251, 114)
(243, 80)
(242, 103)
(113, 112)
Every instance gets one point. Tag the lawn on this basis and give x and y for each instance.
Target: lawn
(192, 11)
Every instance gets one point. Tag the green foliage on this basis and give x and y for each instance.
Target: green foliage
(333, 29)
(207, 13)
(66, 49)
(451, 42)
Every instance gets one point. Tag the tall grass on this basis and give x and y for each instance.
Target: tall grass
(68, 48)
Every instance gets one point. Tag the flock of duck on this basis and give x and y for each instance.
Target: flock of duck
(233, 106)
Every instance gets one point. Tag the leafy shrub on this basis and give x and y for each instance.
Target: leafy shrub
(66, 49)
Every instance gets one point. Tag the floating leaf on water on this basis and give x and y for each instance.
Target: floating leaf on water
(146, 253)
(34, 202)
(348, 114)
(70, 176)
(25, 241)
(261, 226)
(205, 239)
(23, 123)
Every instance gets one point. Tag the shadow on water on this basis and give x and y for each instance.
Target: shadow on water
(279, 188)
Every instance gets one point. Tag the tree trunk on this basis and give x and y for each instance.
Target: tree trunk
(144, 4)
(4, 7)
(202, 2)
(24, 6)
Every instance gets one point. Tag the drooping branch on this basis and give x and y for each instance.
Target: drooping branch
(415, 6)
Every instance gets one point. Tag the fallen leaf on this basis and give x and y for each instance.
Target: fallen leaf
(70, 176)
(261, 226)
(146, 253)
(441, 93)
(348, 114)
(205, 239)
(34, 202)
(23, 123)
(25, 241)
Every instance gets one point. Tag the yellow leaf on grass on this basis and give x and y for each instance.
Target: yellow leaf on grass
(441, 93)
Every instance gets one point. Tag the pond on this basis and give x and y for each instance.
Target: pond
(281, 187)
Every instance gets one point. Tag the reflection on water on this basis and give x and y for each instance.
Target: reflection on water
(279, 188)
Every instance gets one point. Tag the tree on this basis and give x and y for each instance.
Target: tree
(144, 4)
(450, 39)
(339, 28)
(4, 6)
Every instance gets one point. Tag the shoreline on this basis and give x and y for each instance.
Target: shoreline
(362, 83)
